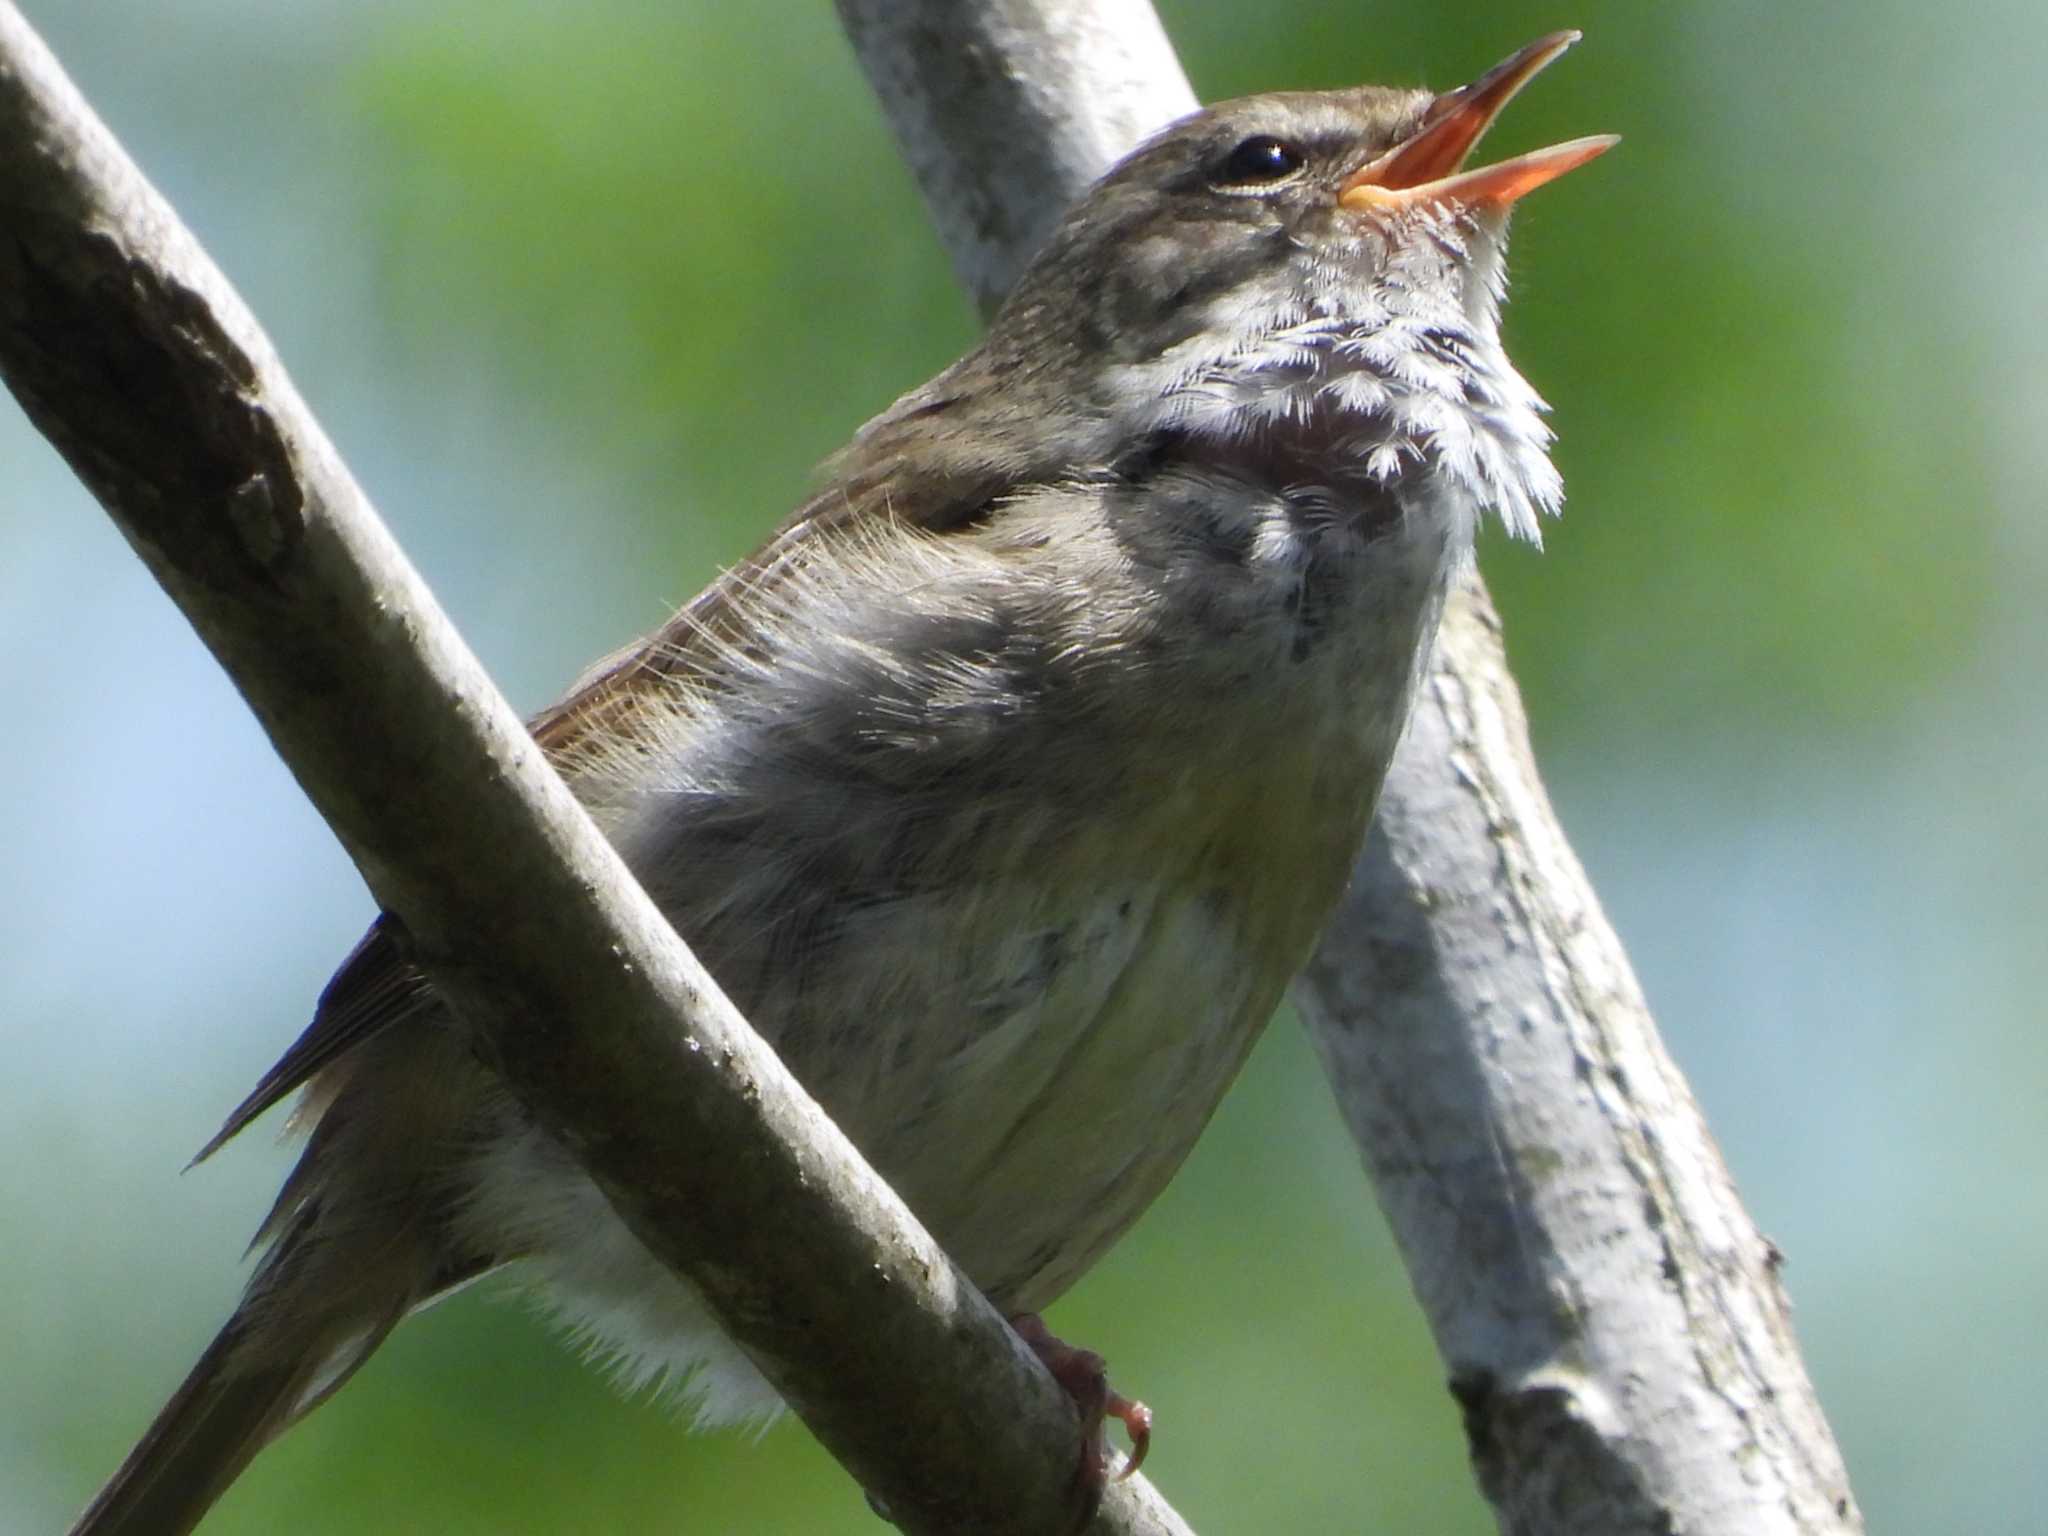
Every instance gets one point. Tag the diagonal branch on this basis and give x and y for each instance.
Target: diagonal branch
(131, 353)
(1610, 1320)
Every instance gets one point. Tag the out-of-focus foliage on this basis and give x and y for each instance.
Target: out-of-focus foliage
(688, 227)
(585, 292)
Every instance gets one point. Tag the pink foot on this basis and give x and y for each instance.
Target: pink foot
(1085, 1377)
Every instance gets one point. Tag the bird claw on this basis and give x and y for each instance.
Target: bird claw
(1084, 1376)
(1137, 1422)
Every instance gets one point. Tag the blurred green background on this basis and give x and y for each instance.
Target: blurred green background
(583, 292)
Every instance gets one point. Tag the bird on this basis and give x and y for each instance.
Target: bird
(1004, 787)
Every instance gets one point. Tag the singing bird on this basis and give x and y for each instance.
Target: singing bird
(1005, 787)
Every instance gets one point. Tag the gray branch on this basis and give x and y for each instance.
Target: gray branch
(1007, 109)
(1610, 1320)
(130, 352)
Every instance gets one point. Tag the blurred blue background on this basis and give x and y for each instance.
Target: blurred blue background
(582, 293)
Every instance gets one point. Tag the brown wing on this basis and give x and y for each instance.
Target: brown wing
(376, 987)
(936, 499)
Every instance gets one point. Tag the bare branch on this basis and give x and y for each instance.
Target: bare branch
(1006, 109)
(129, 350)
(1609, 1318)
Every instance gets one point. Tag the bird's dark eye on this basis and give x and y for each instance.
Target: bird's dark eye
(1260, 159)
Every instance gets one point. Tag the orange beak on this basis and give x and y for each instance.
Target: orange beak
(1428, 166)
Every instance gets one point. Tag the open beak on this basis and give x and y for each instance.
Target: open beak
(1428, 166)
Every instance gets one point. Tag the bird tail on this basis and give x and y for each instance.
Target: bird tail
(360, 1236)
(236, 1400)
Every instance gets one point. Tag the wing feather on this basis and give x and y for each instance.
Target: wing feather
(376, 987)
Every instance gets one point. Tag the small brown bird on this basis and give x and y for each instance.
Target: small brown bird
(1006, 786)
